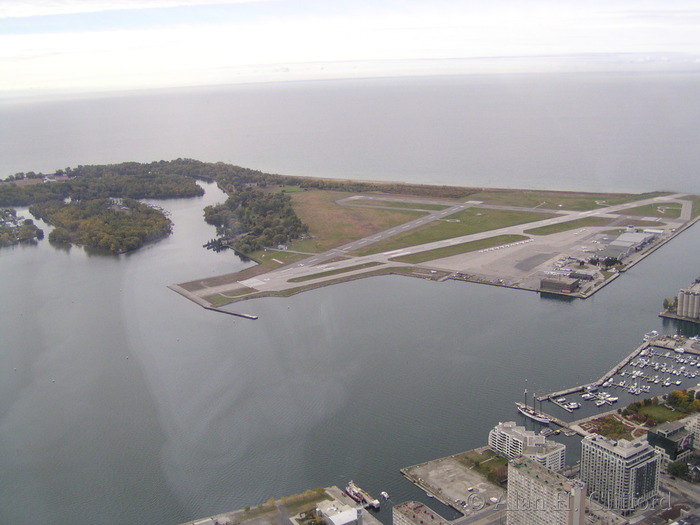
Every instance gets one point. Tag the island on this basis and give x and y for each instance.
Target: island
(112, 225)
(95, 206)
(305, 233)
(15, 230)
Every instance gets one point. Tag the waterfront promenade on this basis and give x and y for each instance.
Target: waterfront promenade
(285, 511)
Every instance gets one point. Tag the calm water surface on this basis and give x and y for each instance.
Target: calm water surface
(601, 132)
(122, 402)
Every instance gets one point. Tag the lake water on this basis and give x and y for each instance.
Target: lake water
(617, 132)
(122, 402)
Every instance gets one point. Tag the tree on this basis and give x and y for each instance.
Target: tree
(678, 468)
(670, 304)
(611, 261)
(59, 236)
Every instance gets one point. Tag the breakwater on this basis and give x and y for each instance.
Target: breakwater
(204, 304)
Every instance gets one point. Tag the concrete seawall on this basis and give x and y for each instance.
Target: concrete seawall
(204, 304)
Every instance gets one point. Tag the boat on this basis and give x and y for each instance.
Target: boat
(573, 405)
(360, 495)
(599, 403)
(352, 491)
(533, 414)
(384, 494)
(651, 335)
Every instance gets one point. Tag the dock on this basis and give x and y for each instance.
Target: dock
(619, 366)
(678, 346)
(569, 428)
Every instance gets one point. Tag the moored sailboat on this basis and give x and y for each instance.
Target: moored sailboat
(533, 414)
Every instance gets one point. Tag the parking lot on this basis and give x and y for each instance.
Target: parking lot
(458, 486)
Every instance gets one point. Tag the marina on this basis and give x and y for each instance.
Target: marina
(674, 350)
(660, 362)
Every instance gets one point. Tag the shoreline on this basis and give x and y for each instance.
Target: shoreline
(454, 276)
(512, 267)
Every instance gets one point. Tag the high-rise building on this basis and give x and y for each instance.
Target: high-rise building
(693, 427)
(513, 441)
(621, 475)
(538, 496)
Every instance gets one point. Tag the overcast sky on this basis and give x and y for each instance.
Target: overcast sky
(90, 45)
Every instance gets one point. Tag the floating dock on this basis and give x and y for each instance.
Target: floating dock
(619, 366)
(678, 346)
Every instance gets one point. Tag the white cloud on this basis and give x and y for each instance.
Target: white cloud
(277, 41)
(29, 8)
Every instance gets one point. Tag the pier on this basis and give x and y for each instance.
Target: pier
(237, 314)
(569, 428)
(679, 347)
(204, 304)
(619, 366)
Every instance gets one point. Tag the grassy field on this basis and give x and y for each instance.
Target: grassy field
(571, 225)
(383, 270)
(333, 272)
(556, 200)
(660, 413)
(696, 205)
(487, 463)
(611, 427)
(293, 504)
(267, 258)
(464, 247)
(220, 299)
(291, 189)
(394, 204)
(266, 263)
(307, 500)
(672, 210)
(471, 220)
(332, 225)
